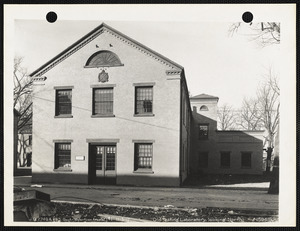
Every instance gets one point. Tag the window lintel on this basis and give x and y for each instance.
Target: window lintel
(113, 141)
(63, 87)
(103, 85)
(143, 141)
(63, 141)
(149, 84)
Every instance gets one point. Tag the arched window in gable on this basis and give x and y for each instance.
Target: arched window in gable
(104, 59)
(203, 108)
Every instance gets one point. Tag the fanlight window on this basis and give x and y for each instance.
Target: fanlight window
(103, 59)
(203, 108)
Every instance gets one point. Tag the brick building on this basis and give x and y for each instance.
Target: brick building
(112, 111)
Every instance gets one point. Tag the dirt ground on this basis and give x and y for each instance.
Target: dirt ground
(72, 212)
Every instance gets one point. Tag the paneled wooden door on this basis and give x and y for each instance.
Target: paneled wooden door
(102, 164)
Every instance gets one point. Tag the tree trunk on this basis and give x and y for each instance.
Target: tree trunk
(269, 154)
(274, 184)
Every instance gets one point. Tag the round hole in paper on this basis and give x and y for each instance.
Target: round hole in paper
(51, 17)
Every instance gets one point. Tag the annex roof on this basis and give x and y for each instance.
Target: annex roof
(174, 67)
(240, 131)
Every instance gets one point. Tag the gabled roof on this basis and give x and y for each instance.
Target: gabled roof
(204, 96)
(92, 35)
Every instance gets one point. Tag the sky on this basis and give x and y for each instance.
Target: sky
(215, 63)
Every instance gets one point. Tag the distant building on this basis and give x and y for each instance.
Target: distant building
(22, 147)
(25, 147)
(221, 152)
(109, 110)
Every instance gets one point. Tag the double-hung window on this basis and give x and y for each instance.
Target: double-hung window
(143, 153)
(203, 159)
(246, 160)
(225, 160)
(144, 100)
(63, 105)
(203, 131)
(63, 155)
(103, 101)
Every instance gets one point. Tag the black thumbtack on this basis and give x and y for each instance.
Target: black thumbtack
(247, 17)
(51, 17)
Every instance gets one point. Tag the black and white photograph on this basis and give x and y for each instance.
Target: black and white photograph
(152, 115)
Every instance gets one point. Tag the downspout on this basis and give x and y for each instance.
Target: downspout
(180, 131)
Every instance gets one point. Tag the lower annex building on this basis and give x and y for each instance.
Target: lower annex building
(109, 110)
(221, 152)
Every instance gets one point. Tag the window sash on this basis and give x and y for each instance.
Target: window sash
(225, 159)
(103, 101)
(143, 100)
(63, 102)
(246, 159)
(110, 158)
(143, 156)
(203, 108)
(203, 159)
(99, 157)
(62, 155)
(203, 131)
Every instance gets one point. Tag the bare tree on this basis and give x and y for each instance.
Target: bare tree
(23, 147)
(22, 93)
(268, 97)
(265, 33)
(250, 115)
(226, 118)
(23, 104)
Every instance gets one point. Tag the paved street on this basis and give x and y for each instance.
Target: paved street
(217, 196)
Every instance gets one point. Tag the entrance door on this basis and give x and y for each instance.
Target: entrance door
(102, 161)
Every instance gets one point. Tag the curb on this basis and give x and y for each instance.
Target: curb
(236, 188)
(143, 188)
(187, 209)
(125, 206)
(121, 218)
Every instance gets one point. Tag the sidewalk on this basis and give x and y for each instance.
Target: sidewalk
(253, 186)
(26, 181)
(242, 196)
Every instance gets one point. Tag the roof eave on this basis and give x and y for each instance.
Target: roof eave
(217, 98)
